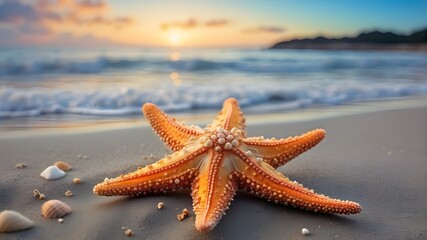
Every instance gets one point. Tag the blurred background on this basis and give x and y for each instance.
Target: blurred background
(79, 61)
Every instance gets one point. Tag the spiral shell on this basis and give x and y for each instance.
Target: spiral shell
(63, 165)
(55, 209)
(11, 221)
(52, 172)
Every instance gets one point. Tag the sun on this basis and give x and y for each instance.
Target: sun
(175, 38)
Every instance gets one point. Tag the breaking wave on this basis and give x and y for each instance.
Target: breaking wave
(18, 102)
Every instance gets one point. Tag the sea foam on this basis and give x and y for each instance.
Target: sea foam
(17, 102)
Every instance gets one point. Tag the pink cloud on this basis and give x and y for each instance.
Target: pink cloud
(193, 23)
(190, 23)
(264, 29)
(91, 6)
(39, 19)
(217, 23)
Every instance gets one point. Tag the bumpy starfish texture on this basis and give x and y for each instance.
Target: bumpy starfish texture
(217, 161)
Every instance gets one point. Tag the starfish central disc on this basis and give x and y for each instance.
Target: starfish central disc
(222, 139)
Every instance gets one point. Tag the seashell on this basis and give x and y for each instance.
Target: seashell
(11, 221)
(52, 172)
(68, 193)
(36, 193)
(128, 232)
(63, 165)
(77, 180)
(184, 214)
(21, 165)
(305, 231)
(55, 209)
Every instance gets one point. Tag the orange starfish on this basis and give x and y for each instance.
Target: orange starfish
(217, 161)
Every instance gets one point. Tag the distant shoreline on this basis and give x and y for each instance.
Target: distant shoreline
(376, 40)
(357, 47)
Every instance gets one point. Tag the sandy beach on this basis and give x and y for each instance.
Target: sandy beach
(377, 159)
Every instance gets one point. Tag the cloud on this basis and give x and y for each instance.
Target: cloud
(88, 6)
(85, 12)
(91, 6)
(15, 12)
(193, 23)
(264, 29)
(217, 23)
(190, 23)
(118, 22)
(50, 17)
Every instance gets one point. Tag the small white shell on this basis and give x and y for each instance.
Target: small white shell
(305, 231)
(68, 193)
(128, 232)
(21, 165)
(11, 221)
(55, 209)
(63, 165)
(52, 172)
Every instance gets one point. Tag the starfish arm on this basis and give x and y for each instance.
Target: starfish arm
(264, 181)
(173, 134)
(212, 192)
(230, 116)
(278, 152)
(171, 173)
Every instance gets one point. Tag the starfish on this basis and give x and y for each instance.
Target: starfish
(219, 160)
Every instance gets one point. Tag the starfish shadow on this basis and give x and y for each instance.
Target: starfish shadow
(258, 219)
(254, 215)
(123, 200)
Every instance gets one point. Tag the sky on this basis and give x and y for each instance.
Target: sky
(192, 23)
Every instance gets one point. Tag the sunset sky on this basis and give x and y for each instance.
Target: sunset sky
(190, 23)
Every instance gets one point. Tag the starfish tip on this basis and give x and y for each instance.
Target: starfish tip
(205, 226)
(321, 130)
(231, 100)
(357, 208)
(96, 189)
(147, 106)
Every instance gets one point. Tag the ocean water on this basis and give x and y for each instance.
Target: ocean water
(115, 82)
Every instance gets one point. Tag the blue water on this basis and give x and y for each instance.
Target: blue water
(117, 81)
